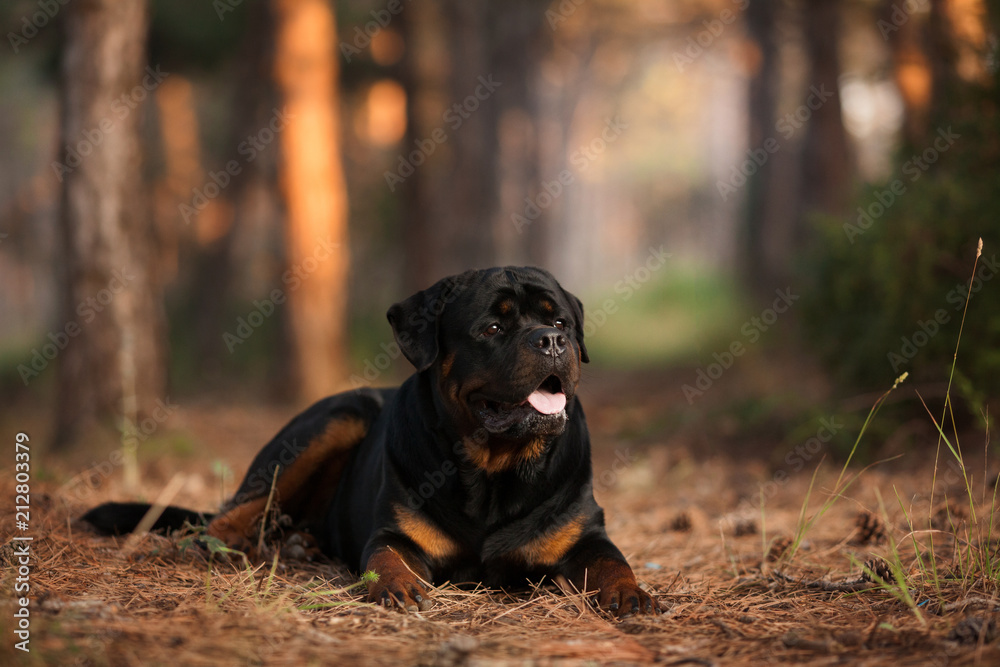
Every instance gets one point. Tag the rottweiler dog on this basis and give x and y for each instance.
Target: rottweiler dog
(476, 469)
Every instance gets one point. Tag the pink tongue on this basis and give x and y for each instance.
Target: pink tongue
(547, 403)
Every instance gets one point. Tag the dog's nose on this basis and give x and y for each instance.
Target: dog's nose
(548, 341)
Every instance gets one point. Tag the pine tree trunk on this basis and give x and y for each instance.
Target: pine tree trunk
(467, 202)
(520, 37)
(425, 84)
(827, 163)
(479, 91)
(113, 366)
(911, 69)
(312, 179)
(761, 20)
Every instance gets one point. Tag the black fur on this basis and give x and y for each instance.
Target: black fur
(456, 475)
(121, 518)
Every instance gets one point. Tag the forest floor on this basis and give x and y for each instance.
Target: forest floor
(733, 583)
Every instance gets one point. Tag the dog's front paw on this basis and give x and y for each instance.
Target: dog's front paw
(405, 594)
(624, 598)
(397, 586)
(617, 590)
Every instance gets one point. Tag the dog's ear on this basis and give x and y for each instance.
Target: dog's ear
(415, 320)
(577, 307)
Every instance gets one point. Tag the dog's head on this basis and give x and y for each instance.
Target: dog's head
(505, 346)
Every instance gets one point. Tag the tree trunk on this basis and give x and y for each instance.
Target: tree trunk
(113, 363)
(214, 271)
(467, 198)
(450, 198)
(480, 91)
(911, 68)
(520, 35)
(306, 71)
(827, 171)
(425, 82)
(763, 100)
(942, 54)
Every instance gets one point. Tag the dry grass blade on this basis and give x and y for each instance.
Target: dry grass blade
(156, 509)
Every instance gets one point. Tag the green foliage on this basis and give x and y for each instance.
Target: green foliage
(973, 558)
(806, 522)
(680, 313)
(875, 292)
(193, 34)
(205, 355)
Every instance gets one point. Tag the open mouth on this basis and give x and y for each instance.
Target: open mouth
(548, 399)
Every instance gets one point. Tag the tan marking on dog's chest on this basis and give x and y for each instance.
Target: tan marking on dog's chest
(425, 534)
(446, 365)
(549, 549)
(493, 461)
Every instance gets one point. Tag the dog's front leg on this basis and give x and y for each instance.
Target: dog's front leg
(595, 565)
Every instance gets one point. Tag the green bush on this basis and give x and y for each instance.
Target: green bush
(887, 291)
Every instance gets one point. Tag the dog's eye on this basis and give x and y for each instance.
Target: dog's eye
(492, 330)
(560, 324)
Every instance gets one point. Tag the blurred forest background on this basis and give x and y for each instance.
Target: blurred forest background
(769, 209)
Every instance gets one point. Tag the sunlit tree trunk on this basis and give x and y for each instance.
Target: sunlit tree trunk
(935, 54)
(113, 365)
(312, 179)
(911, 67)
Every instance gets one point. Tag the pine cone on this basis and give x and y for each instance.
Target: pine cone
(878, 566)
(779, 547)
(681, 523)
(972, 629)
(869, 529)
